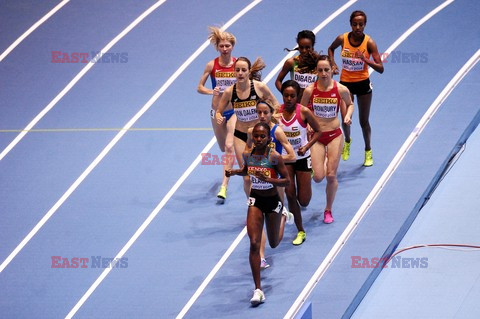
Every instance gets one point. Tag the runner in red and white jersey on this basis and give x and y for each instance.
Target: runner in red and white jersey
(325, 97)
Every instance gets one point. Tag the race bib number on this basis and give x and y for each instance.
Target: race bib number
(295, 142)
(246, 111)
(325, 107)
(305, 79)
(224, 80)
(353, 64)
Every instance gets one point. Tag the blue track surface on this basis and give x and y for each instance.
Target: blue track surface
(447, 285)
(190, 233)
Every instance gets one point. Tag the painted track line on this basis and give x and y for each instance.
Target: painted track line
(97, 160)
(412, 29)
(212, 273)
(77, 78)
(242, 234)
(179, 182)
(304, 295)
(108, 129)
(141, 229)
(32, 28)
(380, 185)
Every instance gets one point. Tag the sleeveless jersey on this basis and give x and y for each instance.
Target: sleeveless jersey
(223, 77)
(353, 69)
(325, 104)
(260, 163)
(278, 145)
(246, 110)
(303, 79)
(296, 132)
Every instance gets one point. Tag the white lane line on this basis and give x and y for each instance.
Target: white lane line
(304, 295)
(87, 67)
(212, 273)
(412, 29)
(141, 229)
(108, 129)
(242, 234)
(167, 197)
(32, 28)
(380, 184)
(97, 160)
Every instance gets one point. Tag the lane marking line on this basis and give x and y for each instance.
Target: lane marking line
(379, 186)
(92, 165)
(242, 234)
(212, 273)
(304, 295)
(77, 78)
(179, 182)
(412, 29)
(141, 229)
(74, 130)
(32, 28)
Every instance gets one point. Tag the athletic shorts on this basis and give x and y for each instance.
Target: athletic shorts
(359, 88)
(302, 165)
(241, 135)
(227, 114)
(267, 204)
(329, 136)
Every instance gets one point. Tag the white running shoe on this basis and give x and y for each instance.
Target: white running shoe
(258, 297)
(264, 264)
(290, 219)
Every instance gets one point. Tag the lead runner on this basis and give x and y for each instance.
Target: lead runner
(264, 166)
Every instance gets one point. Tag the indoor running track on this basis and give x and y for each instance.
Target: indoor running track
(103, 159)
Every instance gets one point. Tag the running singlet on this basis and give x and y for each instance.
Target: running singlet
(223, 77)
(325, 104)
(260, 163)
(303, 79)
(246, 110)
(278, 145)
(296, 132)
(353, 69)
